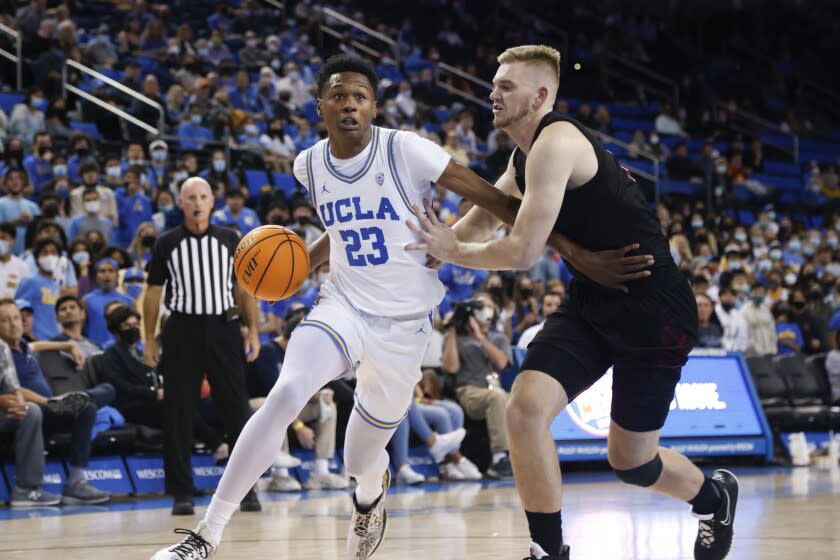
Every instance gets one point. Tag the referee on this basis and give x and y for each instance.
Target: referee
(202, 335)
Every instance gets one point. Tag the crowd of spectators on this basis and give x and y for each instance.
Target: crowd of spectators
(81, 212)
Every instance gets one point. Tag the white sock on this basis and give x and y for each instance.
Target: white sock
(217, 517)
(498, 456)
(281, 471)
(322, 466)
(369, 488)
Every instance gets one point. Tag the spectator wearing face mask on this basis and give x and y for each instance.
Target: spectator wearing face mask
(219, 175)
(192, 135)
(52, 210)
(761, 326)
(27, 117)
(159, 167)
(133, 285)
(235, 212)
(813, 334)
(16, 209)
(41, 290)
(709, 332)
(164, 218)
(278, 146)
(734, 326)
(96, 327)
(12, 268)
(38, 165)
(90, 180)
(92, 219)
(133, 205)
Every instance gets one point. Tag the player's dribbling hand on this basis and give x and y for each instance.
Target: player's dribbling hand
(612, 268)
(435, 239)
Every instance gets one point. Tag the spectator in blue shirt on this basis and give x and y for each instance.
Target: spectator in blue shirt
(243, 96)
(790, 339)
(133, 205)
(41, 290)
(106, 292)
(236, 213)
(80, 147)
(92, 219)
(191, 134)
(15, 208)
(38, 164)
(461, 282)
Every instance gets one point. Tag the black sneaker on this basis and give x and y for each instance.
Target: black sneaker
(250, 502)
(714, 537)
(69, 403)
(183, 506)
(500, 469)
(537, 553)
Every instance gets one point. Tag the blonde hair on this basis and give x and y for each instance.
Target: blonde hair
(533, 54)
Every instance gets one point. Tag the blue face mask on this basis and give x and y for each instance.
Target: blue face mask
(133, 290)
(219, 165)
(159, 155)
(735, 265)
(808, 251)
(195, 119)
(740, 237)
(775, 254)
(757, 240)
(794, 246)
(60, 170)
(165, 208)
(764, 264)
(5, 248)
(832, 242)
(80, 257)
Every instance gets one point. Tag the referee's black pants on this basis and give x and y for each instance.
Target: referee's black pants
(195, 345)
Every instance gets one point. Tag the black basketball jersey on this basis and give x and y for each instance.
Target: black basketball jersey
(608, 212)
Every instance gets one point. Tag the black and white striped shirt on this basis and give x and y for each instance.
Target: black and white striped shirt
(196, 269)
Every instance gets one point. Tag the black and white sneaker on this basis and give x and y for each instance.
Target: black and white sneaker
(714, 537)
(368, 529)
(193, 547)
(537, 553)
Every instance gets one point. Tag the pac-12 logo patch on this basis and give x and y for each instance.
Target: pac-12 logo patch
(380, 178)
(590, 411)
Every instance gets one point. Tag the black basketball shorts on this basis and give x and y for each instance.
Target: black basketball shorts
(646, 338)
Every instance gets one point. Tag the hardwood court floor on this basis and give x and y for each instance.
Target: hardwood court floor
(782, 514)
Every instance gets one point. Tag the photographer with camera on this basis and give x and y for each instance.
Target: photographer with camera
(475, 355)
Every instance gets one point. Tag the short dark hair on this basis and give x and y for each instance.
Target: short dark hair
(346, 63)
(552, 293)
(64, 299)
(88, 166)
(726, 290)
(42, 243)
(9, 229)
(119, 316)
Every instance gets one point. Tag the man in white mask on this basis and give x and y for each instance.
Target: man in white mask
(41, 290)
(92, 219)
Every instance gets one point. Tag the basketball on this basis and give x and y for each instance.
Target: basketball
(271, 262)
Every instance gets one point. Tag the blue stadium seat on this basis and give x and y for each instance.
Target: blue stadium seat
(746, 217)
(742, 193)
(632, 124)
(285, 183)
(781, 182)
(88, 128)
(624, 136)
(255, 179)
(681, 187)
(9, 100)
(617, 110)
(641, 164)
(442, 114)
(781, 168)
(782, 140)
(618, 151)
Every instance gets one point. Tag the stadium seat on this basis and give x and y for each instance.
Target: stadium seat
(681, 187)
(781, 168)
(632, 125)
(772, 390)
(617, 150)
(746, 217)
(285, 183)
(88, 128)
(8, 102)
(780, 182)
(255, 179)
(803, 377)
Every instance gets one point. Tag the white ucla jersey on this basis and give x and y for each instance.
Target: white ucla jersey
(364, 202)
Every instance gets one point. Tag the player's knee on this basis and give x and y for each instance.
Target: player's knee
(644, 475)
(524, 413)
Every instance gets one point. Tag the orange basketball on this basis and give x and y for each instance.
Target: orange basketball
(271, 262)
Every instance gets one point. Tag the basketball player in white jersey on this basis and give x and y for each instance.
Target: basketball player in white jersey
(373, 315)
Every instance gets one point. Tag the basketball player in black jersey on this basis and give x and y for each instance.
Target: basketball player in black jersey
(573, 186)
